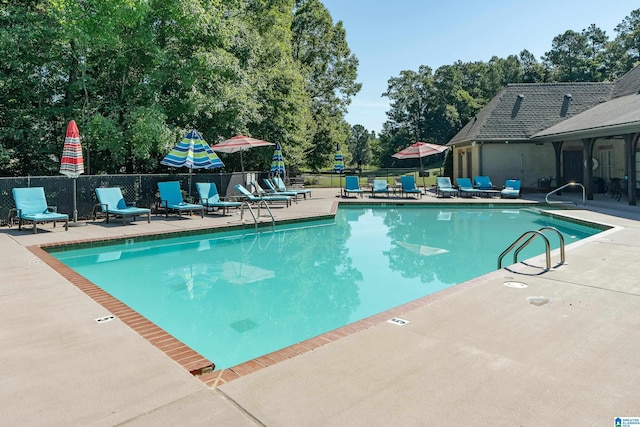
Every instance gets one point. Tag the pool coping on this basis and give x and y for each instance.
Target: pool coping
(203, 368)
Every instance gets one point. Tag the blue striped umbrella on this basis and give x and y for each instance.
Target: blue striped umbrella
(192, 152)
(338, 165)
(277, 161)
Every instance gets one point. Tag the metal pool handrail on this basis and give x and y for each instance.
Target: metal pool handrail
(560, 236)
(571, 184)
(255, 219)
(530, 234)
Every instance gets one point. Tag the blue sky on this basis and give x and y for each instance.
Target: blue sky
(391, 36)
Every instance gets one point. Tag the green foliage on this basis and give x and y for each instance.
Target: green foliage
(137, 75)
(359, 145)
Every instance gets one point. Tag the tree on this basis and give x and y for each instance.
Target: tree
(624, 52)
(330, 70)
(578, 56)
(359, 145)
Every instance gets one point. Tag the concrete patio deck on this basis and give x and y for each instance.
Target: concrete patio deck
(478, 354)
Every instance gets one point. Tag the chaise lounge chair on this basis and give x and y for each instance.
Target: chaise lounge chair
(409, 185)
(511, 189)
(31, 205)
(380, 186)
(263, 193)
(111, 202)
(253, 198)
(352, 185)
(171, 199)
(281, 187)
(273, 191)
(444, 187)
(484, 186)
(210, 198)
(465, 188)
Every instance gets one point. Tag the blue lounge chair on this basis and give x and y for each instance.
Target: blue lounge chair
(31, 205)
(511, 189)
(352, 185)
(409, 185)
(444, 187)
(380, 186)
(465, 188)
(210, 198)
(253, 198)
(171, 199)
(111, 202)
(281, 187)
(484, 186)
(273, 191)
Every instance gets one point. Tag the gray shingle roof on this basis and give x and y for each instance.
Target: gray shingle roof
(616, 117)
(619, 115)
(522, 110)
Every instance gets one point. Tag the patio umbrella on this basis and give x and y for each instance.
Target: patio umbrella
(338, 164)
(72, 164)
(239, 143)
(418, 151)
(192, 152)
(277, 161)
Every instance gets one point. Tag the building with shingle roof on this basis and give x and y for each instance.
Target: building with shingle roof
(548, 132)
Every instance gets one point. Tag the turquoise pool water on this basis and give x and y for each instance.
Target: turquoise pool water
(233, 296)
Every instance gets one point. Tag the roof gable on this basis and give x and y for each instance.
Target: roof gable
(629, 84)
(521, 110)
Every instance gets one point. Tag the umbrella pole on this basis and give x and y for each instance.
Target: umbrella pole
(75, 222)
(75, 208)
(422, 173)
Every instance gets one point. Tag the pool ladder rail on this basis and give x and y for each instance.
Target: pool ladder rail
(571, 184)
(255, 218)
(526, 238)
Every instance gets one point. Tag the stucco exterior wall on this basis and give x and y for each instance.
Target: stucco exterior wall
(500, 161)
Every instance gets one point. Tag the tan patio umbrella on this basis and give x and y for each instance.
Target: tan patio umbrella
(419, 150)
(239, 143)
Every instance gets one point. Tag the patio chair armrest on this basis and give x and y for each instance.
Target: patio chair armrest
(98, 208)
(10, 218)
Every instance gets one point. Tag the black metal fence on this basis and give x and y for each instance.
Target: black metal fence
(142, 189)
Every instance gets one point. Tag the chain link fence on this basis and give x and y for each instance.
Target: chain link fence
(142, 189)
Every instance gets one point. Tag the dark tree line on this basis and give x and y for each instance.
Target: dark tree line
(138, 75)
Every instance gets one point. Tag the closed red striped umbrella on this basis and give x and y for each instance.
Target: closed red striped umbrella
(72, 163)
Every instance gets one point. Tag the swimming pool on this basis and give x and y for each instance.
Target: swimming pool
(235, 295)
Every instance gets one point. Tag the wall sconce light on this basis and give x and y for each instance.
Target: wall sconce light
(473, 143)
(506, 142)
